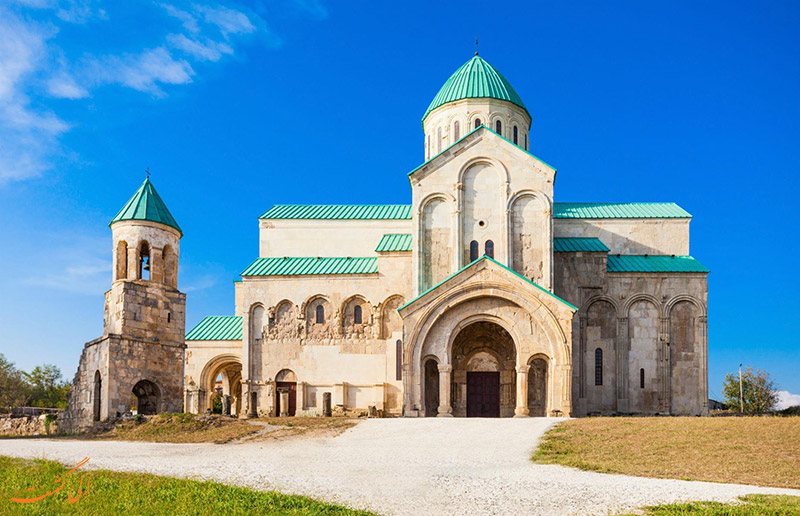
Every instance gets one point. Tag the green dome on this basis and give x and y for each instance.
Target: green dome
(146, 204)
(475, 79)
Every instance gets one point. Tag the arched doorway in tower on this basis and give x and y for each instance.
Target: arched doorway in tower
(221, 377)
(484, 358)
(431, 388)
(147, 395)
(286, 382)
(537, 387)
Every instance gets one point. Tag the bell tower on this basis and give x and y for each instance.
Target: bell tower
(137, 365)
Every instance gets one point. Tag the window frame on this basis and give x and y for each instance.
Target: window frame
(319, 314)
(488, 249)
(358, 316)
(474, 249)
(598, 367)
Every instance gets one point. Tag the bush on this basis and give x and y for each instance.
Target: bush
(759, 392)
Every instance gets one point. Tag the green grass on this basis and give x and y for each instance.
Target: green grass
(751, 505)
(140, 494)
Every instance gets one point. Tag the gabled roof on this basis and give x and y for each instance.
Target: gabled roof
(574, 245)
(394, 243)
(484, 257)
(463, 138)
(619, 210)
(339, 211)
(217, 327)
(146, 204)
(288, 266)
(654, 263)
(475, 79)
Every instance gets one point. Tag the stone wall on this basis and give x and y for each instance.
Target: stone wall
(27, 425)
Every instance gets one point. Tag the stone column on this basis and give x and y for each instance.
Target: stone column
(253, 409)
(445, 373)
(522, 391)
(623, 345)
(284, 394)
(226, 405)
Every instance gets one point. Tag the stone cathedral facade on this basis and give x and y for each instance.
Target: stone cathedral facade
(483, 297)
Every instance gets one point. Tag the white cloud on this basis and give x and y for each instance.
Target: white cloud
(229, 21)
(63, 86)
(188, 19)
(80, 264)
(786, 399)
(207, 50)
(28, 135)
(144, 71)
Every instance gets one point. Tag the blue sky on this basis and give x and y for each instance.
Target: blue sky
(237, 106)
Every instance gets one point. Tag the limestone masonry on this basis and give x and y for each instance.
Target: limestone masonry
(482, 298)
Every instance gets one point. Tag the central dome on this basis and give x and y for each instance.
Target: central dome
(475, 79)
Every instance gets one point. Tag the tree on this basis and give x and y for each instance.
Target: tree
(45, 388)
(759, 392)
(13, 389)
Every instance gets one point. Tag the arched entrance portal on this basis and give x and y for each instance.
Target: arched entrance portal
(222, 377)
(286, 387)
(147, 396)
(484, 357)
(537, 387)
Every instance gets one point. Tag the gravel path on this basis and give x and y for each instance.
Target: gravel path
(399, 467)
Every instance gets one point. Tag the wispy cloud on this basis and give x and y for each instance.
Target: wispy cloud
(80, 264)
(34, 66)
(786, 399)
(146, 71)
(28, 134)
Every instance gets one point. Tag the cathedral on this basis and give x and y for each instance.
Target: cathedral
(483, 297)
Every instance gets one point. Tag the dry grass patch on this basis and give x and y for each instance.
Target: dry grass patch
(179, 428)
(307, 426)
(744, 450)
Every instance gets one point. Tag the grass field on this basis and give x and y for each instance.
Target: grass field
(180, 428)
(753, 505)
(139, 494)
(744, 450)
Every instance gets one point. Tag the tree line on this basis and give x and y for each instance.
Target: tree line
(41, 387)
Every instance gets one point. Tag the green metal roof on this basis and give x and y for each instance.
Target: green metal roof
(618, 210)
(287, 266)
(484, 257)
(653, 263)
(339, 211)
(217, 327)
(146, 204)
(475, 79)
(574, 245)
(393, 243)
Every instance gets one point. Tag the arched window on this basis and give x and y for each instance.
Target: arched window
(357, 314)
(477, 123)
(598, 366)
(526, 141)
(515, 135)
(320, 314)
(439, 140)
(122, 260)
(641, 378)
(399, 358)
(144, 261)
(498, 128)
(456, 131)
(488, 249)
(473, 250)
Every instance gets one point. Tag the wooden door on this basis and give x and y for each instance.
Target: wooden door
(292, 386)
(483, 394)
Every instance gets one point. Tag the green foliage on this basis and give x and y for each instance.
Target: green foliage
(13, 389)
(216, 403)
(790, 411)
(45, 388)
(141, 494)
(48, 419)
(42, 387)
(759, 392)
(751, 505)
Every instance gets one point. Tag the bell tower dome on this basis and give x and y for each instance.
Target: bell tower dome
(476, 94)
